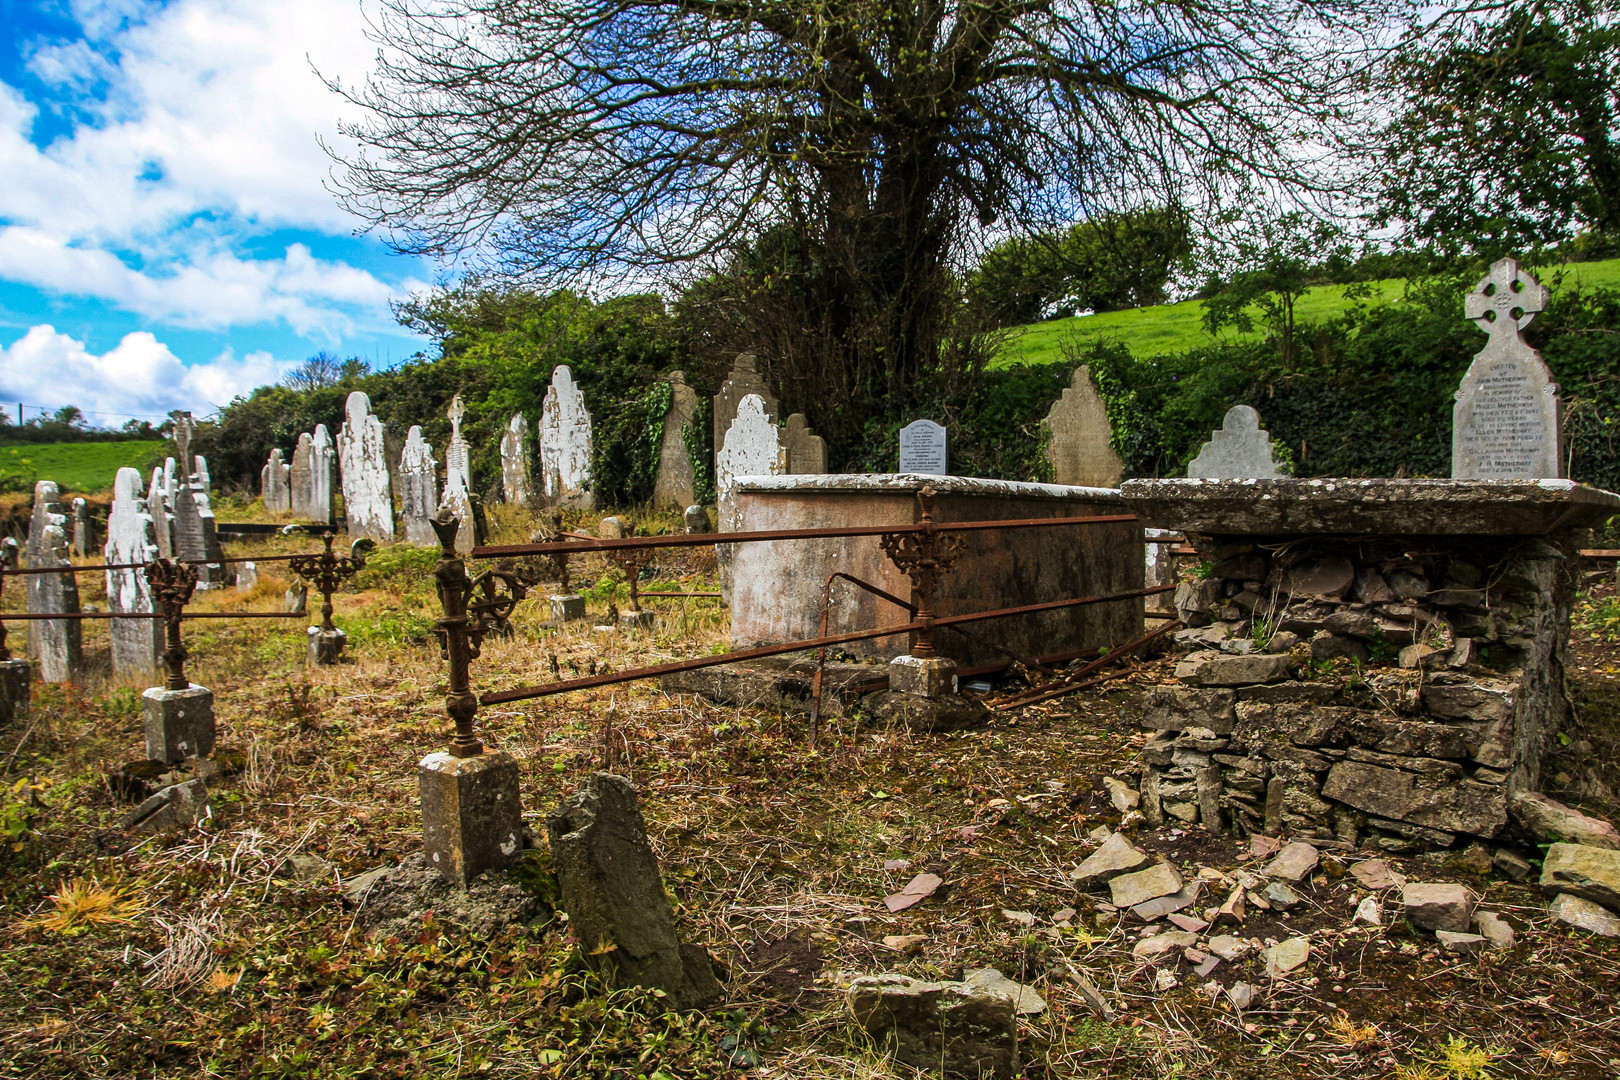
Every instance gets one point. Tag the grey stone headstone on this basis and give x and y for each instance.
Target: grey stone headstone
(420, 493)
(1079, 447)
(247, 576)
(565, 442)
(745, 379)
(696, 521)
(322, 477)
(136, 643)
(675, 485)
(806, 451)
(457, 495)
(922, 449)
(1505, 425)
(614, 894)
(1241, 450)
(275, 484)
(368, 502)
(299, 479)
(517, 487)
(199, 474)
(157, 504)
(56, 645)
(83, 537)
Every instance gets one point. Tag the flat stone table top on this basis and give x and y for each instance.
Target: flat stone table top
(1298, 507)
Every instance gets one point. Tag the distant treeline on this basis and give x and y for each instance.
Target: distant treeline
(68, 425)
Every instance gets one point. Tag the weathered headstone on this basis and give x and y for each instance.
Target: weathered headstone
(83, 528)
(136, 643)
(1505, 423)
(299, 478)
(516, 484)
(157, 504)
(15, 673)
(1079, 447)
(745, 379)
(675, 484)
(565, 441)
(196, 536)
(614, 895)
(750, 447)
(275, 484)
(322, 477)
(421, 489)
(199, 474)
(806, 451)
(56, 645)
(457, 495)
(247, 576)
(1241, 450)
(368, 504)
(922, 449)
(696, 521)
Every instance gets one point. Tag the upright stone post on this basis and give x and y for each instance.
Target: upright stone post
(471, 817)
(457, 497)
(83, 529)
(566, 605)
(420, 488)
(56, 644)
(14, 673)
(179, 714)
(136, 643)
(516, 484)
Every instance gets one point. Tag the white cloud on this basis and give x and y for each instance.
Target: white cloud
(139, 377)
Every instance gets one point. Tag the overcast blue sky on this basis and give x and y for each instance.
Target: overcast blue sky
(165, 238)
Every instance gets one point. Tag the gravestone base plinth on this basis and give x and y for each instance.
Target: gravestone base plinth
(569, 608)
(471, 818)
(179, 723)
(14, 690)
(637, 620)
(326, 646)
(929, 677)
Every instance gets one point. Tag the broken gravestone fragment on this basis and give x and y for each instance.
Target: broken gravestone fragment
(614, 894)
(959, 1029)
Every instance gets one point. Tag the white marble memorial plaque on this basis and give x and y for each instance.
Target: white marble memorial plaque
(922, 448)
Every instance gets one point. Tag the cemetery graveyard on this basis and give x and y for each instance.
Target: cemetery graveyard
(1226, 775)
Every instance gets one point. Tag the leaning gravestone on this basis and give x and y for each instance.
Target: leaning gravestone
(55, 644)
(1079, 448)
(299, 478)
(136, 643)
(516, 484)
(368, 504)
(675, 484)
(420, 494)
(322, 477)
(1241, 450)
(922, 449)
(457, 497)
(275, 484)
(745, 379)
(1505, 423)
(157, 504)
(614, 895)
(565, 441)
(806, 451)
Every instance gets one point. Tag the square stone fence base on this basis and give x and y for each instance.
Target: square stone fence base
(15, 690)
(1370, 658)
(179, 723)
(569, 608)
(326, 647)
(471, 817)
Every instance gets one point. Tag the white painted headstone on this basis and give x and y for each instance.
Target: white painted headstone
(565, 441)
(322, 477)
(922, 449)
(1241, 450)
(421, 489)
(1079, 447)
(275, 484)
(1505, 425)
(137, 644)
(458, 479)
(744, 379)
(55, 644)
(516, 484)
(750, 448)
(368, 502)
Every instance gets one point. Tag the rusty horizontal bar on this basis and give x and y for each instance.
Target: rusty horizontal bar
(20, 571)
(1601, 553)
(54, 616)
(566, 685)
(630, 543)
(700, 595)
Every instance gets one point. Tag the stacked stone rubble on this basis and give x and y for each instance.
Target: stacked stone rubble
(1400, 689)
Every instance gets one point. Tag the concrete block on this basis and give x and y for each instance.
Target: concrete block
(569, 608)
(179, 723)
(326, 647)
(471, 818)
(930, 676)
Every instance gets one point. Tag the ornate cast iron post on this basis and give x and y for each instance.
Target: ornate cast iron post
(465, 622)
(327, 571)
(924, 557)
(172, 582)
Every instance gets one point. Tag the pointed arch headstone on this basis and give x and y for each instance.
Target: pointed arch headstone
(368, 502)
(137, 644)
(565, 441)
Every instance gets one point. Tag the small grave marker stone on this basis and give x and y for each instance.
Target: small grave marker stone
(1079, 447)
(922, 448)
(565, 441)
(368, 503)
(421, 489)
(1241, 450)
(1505, 423)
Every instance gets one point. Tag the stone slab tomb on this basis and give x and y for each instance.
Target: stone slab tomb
(56, 646)
(1505, 422)
(1451, 599)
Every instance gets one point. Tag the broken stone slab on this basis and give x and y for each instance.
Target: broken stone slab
(614, 894)
(953, 1028)
(1494, 929)
(1293, 863)
(909, 944)
(1548, 820)
(1128, 890)
(1438, 906)
(1121, 794)
(1116, 856)
(1229, 948)
(915, 713)
(1159, 944)
(1286, 956)
(1481, 700)
(1451, 805)
(1176, 708)
(1376, 874)
(1582, 914)
(1280, 896)
(1463, 944)
(1512, 864)
(1026, 1002)
(173, 807)
(1161, 906)
(1588, 872)
(1224, 670)
(777, 684)
(1369, 912)
(392, 899)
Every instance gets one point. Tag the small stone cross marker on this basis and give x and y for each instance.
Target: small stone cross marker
(185, 429)
(1505, 303)
(457, 411)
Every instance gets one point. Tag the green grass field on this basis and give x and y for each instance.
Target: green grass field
(82, 467)
(1173, 328)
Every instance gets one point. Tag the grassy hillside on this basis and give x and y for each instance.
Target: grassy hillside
(82, 467)
(1173, 328)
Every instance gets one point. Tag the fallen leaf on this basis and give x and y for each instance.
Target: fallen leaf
(917, 889)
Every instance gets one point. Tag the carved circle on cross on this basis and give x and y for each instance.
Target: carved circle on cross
(1506, 299)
